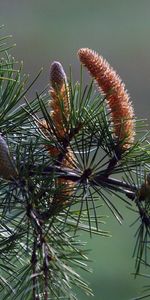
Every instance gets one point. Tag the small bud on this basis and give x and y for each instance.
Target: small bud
(7, 168)
(148, 178)
(144, 191)
(57, 75)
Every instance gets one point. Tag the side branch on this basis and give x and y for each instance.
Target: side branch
(78, 177)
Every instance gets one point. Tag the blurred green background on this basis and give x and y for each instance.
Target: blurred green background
(120, 30)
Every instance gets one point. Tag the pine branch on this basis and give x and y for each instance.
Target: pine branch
(60, 159)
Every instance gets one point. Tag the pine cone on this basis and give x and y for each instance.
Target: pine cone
(7, 168)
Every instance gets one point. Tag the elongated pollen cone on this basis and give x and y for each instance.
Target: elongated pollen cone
(118, 100)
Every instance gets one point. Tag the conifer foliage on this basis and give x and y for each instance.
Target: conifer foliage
(59, 156)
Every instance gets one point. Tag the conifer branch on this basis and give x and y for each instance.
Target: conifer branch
(59, 160)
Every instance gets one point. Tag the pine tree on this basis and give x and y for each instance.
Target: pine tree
(59, 156)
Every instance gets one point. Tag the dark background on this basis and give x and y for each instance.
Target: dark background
(120, 30)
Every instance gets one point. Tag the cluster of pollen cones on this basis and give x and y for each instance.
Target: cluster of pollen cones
(118, 103)
(60, 104)
(109, 84)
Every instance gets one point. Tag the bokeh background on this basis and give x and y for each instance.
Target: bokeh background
(47, 30)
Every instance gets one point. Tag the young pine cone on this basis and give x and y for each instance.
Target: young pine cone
(7, 168)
